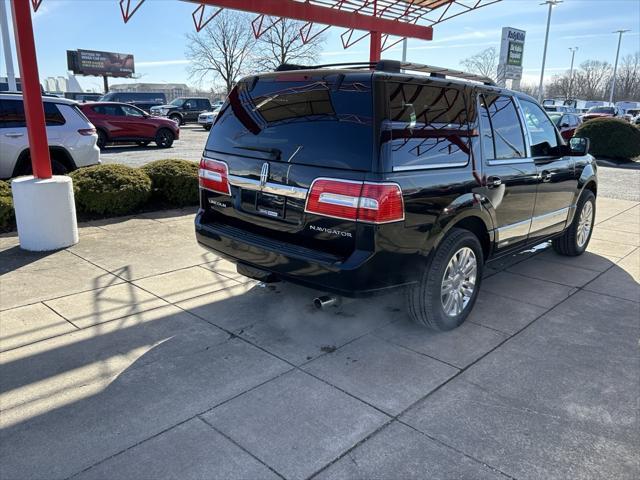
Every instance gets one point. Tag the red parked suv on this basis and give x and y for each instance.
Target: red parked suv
(121, 122)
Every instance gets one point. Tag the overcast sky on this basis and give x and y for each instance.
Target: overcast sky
(156, 35)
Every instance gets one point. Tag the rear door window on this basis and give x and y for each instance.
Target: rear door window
(111, 110)
(502, 136)
(12, 114)
(321, 120)
(429, 126)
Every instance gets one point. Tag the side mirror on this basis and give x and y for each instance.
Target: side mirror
(579, 146)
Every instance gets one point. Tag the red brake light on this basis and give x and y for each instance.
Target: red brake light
(214, 175)
(362, 201)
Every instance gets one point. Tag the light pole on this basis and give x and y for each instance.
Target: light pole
(551, 4)
(615, 67)
(573, 56)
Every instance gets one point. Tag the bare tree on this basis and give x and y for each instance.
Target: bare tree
(528, 88)
(628, 78)
(222, 50)
(483, 63)
(282, 43)
(591, 80)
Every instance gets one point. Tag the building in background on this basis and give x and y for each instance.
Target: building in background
(62, 84)
(170, 90)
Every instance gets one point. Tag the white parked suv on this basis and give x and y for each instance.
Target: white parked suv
(72, 138)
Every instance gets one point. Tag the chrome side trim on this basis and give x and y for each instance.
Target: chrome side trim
(515, 230)
(269, 187)
(513, 161)
(432, 166)
(549, 219)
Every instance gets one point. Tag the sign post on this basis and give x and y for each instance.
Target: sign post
(511, 55)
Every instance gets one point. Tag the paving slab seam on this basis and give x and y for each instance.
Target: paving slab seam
(197, 415)
(61, 316)
(440, 442)
(258, 459)
(443, 384)
(617, 214)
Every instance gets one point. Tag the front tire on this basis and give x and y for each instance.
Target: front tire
(176, 118)
(575, 239)
(449, 286)
(164, 138)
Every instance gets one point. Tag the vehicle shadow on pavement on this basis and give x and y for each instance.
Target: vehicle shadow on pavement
(192, 371)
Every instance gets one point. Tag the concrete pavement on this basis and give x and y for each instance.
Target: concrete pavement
(137, 355)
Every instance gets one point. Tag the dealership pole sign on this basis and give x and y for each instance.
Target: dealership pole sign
(101, 64)
(511, 54)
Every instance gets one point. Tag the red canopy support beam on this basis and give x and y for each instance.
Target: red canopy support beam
(32, 96)
(375, 47)
(329, 16)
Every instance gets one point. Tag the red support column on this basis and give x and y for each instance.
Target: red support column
(375, 49)
(31, 94)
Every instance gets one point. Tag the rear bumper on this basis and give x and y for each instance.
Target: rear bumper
(363, 273)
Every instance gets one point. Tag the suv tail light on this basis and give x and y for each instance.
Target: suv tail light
(214, 175)
(87, 132)
(358, 201)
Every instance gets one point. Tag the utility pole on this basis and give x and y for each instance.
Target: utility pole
(6, 44)
(615, 67)
(404, 50)
(551, 4)
(573, 56)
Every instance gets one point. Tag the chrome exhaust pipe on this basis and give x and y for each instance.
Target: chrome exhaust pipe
(325, 301)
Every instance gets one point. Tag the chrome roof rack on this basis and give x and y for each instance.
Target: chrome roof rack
(439, 72)
(395, 66)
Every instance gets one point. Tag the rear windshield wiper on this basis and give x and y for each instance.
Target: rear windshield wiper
(274, 152)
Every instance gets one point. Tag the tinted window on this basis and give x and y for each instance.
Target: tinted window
(428, 125)
(203, 105)
(12, 114)
(113, 110)
(541, 129)
(324, 120)
(505, 140)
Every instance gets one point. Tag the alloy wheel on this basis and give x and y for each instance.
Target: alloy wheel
(459, 282)
(585, 223)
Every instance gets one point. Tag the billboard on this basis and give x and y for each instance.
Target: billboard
(108, 64)
(511, 54)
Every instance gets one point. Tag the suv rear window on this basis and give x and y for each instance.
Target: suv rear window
(321, 121)
(12, 114)
(429, 126)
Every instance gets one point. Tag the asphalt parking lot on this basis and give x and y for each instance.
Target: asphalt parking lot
(189, 147)
(137, 354)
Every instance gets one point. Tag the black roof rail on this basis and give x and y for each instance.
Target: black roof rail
(396, 66)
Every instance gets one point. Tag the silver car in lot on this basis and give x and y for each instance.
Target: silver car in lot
(72, 138)
(206, 119)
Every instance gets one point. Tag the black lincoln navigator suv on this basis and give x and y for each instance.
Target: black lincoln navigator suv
(363, 178)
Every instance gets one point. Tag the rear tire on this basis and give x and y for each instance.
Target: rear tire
(575, 239)
(164, 138)
(449, 286)
(102, 139)
(176, 118)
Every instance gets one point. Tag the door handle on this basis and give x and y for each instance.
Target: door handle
(546, 176)
(493, 182)
(14, 134)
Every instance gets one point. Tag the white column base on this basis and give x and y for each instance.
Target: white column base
(45, 213)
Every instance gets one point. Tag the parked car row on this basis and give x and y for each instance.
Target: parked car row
(71, 136)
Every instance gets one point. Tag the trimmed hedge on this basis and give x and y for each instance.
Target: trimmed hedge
(611, 137)
(110, 189)
(174, 181)
(6, 205)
